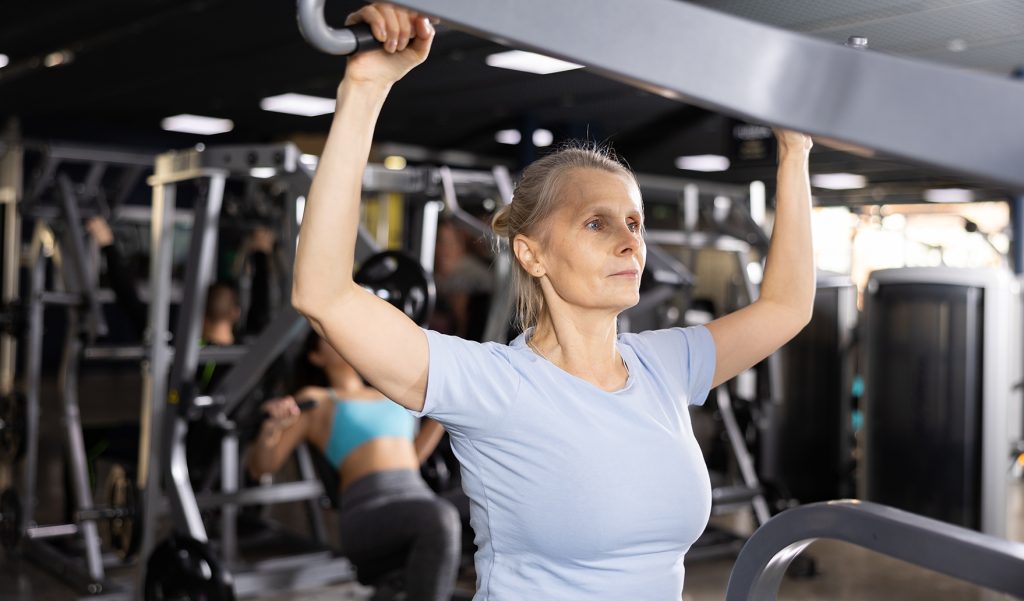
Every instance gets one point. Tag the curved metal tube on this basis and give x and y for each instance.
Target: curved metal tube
(984, 560)
(327, 39)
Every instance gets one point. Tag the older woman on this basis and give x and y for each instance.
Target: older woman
(575, 441)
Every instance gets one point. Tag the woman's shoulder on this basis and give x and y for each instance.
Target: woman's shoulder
(663, 340)
(467, 349)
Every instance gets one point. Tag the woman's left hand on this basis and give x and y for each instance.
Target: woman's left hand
(790, 141)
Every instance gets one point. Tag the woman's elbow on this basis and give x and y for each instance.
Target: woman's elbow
(308, 305)
(800, 319)
(314, 302)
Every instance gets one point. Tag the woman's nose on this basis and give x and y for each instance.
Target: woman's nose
(628, 240)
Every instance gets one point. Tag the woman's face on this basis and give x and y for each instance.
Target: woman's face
(593, 250)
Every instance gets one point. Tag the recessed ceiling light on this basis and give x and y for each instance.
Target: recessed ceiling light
(299, 104)
(542, 137)
(197, 124)
(262, 172)
(838, 181)
(508, 136)
(956, 45)
(703, 162)
(531, 62)
(4, 60)
(394, 162)
(949, 195)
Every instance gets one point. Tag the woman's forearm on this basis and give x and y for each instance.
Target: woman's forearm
(263, 456)
(325, 254)
(789, 277)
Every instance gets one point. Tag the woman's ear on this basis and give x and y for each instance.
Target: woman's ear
(526, 253)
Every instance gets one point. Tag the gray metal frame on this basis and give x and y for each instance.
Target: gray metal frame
(958, 120)
(11, 189)
(66, 245)
(958, 552)
(1002, 369)
(500, 312)
(170, 392)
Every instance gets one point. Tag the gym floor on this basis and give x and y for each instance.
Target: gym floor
(847, 573)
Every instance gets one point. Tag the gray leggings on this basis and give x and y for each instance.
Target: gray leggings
(392, 521)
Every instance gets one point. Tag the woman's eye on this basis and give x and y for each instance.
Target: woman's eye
(634, 226)
(594, 225)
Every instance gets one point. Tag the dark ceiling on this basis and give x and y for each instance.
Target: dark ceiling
(138, 61)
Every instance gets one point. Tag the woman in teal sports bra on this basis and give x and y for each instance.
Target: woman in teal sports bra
(389, 518)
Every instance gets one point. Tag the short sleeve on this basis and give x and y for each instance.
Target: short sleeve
(470, 385)
(688, 356)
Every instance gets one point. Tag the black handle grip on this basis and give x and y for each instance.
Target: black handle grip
(304, 405)
(364, 38)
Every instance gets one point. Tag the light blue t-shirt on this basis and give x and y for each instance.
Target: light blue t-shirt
(577, 493)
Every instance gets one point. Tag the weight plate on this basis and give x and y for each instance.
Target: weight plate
(123, 532)
(183, 569)
(400, 280)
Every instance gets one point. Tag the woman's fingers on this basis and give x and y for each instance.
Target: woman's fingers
(372, 16)
(394, 27)
(424, 37)
(391, 24)
(281, 408)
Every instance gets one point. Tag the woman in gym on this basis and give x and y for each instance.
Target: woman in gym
(389, 518)
(577, 452)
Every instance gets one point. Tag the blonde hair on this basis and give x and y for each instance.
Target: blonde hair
(534, 200)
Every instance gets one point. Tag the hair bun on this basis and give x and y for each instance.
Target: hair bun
(499, 223)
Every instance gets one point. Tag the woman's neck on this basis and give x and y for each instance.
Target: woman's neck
(584, 346)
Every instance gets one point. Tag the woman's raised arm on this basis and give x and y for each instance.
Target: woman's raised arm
(378, 340)
(745, 337)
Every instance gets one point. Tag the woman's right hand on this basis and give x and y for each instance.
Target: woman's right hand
(406, 36)
(282, 413)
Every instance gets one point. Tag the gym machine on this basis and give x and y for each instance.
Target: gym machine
(67, 183)
(943, 445)
(901, 107)
(172, 400)
(984, 560)
(807, 453)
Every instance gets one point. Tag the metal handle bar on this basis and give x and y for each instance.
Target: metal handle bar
(322, 36)
(970, 556)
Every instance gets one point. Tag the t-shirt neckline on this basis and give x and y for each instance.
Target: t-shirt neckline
(624, 351)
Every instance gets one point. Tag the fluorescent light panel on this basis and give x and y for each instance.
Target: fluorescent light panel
(298, 104)
(197, 124)
(949, 195)
(508, 136)
(703, 162)
(839, 181)
(542, 138)
(395, 162)
(262, 172)
(531, 62)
